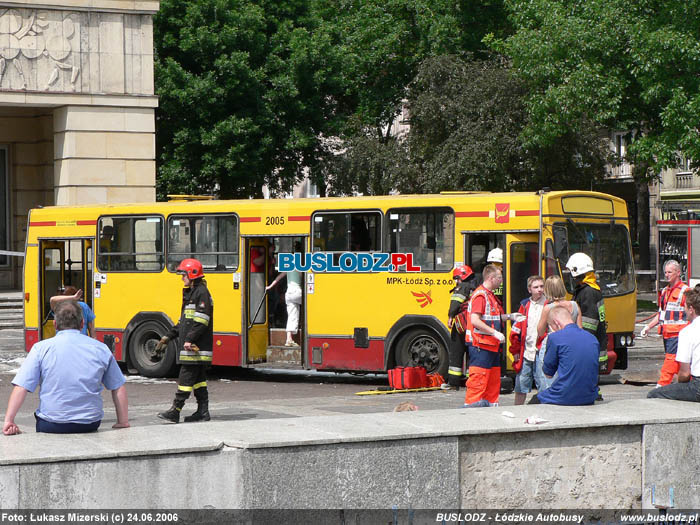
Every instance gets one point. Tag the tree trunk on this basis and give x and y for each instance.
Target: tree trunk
(643, 229)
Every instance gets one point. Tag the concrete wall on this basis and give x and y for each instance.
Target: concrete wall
(605, 456)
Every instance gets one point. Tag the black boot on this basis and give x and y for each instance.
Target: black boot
(201, 414)
(172, 414)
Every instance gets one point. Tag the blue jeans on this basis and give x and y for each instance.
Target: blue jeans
(542, 381)
(65, 428)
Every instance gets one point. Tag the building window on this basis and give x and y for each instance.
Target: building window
(4, 216)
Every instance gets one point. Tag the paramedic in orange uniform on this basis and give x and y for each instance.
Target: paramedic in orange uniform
(672, 318)
(485, 326)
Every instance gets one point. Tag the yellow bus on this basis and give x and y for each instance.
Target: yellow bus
(124, 257)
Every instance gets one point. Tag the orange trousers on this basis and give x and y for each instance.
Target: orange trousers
(668, 370)
(483, 383)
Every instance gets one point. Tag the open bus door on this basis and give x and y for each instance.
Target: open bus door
(523, 260)
(255, 319)
(265, 313)
(64, 262)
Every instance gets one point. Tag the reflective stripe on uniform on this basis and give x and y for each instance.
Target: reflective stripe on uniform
(184, 388)
(454, 371)
(458, 297)
(203, 384)
(199, 317)
(193, 358)
(589, 323)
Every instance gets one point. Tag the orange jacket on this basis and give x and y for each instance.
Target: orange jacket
(672, 318)
(491, 316)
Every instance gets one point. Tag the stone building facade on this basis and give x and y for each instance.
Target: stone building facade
(77, 103)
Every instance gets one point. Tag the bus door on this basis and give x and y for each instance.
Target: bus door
(266, 313)
(255, 318)
(523, 260)
(64, 262)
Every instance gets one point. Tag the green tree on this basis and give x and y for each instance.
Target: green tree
(630, 66)
(383, 44)
(243, 95)
(467, 117)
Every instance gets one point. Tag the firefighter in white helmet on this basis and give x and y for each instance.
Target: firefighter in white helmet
(495, 257)
(589, 298)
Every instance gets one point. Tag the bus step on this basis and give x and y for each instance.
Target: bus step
(284, 354)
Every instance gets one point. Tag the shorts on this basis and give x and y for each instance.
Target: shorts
(524, 379)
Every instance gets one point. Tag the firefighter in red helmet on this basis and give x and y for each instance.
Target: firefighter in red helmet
(195, 343)
(465, 283)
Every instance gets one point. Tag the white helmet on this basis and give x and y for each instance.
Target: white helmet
(495, 256)
(579, 264)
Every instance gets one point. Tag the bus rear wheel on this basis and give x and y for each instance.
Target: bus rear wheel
(421, 347)
(142, 350)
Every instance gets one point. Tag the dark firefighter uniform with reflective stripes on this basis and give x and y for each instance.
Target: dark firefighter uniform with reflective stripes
(458, 305)
(196, 327)
(590, 300)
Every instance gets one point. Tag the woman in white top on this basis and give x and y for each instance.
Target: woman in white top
(555, 293)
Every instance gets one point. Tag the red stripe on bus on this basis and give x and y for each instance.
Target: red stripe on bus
(250, 219)
(87, 223)
(677, 222)
(299, 217)
(471, 214)
(527, 213)
(43, 223)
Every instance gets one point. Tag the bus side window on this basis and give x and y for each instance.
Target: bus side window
(130, 244)
(427, 233)
(212, 239)
(337, 232)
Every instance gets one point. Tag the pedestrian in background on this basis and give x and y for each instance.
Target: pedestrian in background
(72, 370)
(672, 317)
(524, 339)
(195, 343)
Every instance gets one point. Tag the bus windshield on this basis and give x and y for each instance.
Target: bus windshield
(609, 247)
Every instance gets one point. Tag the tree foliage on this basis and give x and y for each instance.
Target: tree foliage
(251, 92)
(628, 66)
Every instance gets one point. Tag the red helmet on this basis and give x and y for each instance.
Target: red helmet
(462, 273)
(192, 268)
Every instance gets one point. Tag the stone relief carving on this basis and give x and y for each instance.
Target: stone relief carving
(38, 46)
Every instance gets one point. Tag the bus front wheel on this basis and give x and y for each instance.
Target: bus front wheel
(421, 347)
(142, 350)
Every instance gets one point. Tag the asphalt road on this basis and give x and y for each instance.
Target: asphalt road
(237, 394)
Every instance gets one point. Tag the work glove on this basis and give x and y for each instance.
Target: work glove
(645, 331)
(501, 338)
(162, 344)
(516, 317)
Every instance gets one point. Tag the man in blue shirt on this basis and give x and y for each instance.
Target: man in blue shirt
(72, 369)
(572, 353)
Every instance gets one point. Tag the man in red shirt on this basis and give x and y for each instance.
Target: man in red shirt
(672, 318)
